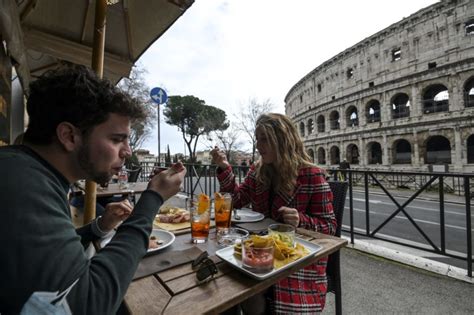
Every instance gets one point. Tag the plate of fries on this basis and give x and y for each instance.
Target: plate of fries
(284, 255)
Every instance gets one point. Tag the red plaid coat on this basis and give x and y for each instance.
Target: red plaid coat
(304, 292)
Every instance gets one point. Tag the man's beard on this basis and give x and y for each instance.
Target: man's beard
(88, 167)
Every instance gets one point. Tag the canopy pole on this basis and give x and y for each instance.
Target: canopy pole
(98, 67)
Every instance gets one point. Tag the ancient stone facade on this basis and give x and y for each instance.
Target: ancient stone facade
(401, 99)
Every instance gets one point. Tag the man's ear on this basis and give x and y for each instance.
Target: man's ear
(68, 135)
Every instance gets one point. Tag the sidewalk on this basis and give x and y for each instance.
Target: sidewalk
(374, 285)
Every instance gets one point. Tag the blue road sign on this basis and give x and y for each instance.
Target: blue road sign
(158, 95)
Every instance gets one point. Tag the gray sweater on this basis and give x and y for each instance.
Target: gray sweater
(40, 250)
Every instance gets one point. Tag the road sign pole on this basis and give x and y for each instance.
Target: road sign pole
(159, 156)
(159, 96)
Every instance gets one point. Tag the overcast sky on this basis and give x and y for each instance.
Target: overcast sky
(228, 51)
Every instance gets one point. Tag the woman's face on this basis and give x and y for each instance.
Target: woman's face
(264, 148)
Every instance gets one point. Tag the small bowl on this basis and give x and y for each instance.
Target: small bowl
(257, 259)
(231, 236)
(284, 232)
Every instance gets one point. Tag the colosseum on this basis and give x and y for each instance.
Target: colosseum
(401, 99)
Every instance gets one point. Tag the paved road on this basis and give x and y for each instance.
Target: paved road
(426, 215)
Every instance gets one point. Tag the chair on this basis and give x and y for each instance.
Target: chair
(333, 270)
(133, 175)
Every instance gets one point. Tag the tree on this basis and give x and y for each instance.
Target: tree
(194, 119)
(168, 156)
(247, 118)
(227, 140)
(136, 87)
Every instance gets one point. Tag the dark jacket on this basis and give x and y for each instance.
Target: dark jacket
(42, 251)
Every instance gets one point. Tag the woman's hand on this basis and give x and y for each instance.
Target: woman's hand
(115, 212)
(168, 182)
(219, 158)
(290, 216)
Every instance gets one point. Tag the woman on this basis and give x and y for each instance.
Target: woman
(286, 186)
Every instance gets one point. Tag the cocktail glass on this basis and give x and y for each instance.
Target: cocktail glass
(200, 210)
(222, 210)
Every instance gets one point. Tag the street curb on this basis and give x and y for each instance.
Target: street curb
(411, 260)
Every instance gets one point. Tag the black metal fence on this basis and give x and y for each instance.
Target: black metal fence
(414, 185)
(435, 185)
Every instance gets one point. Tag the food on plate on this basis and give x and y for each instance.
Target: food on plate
(170, 214)
(283, 232)
(154, 242)
(257, 253)
(253, 240)
(283, 253)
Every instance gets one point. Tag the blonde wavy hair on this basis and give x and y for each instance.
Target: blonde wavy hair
(285, 141)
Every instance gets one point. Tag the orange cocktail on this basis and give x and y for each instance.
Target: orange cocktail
(200, 218)
(223, 209)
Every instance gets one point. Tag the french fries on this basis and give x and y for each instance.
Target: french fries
(282, 253)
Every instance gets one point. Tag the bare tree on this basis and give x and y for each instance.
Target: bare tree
(247, 118)
(227, 140)
(136, 87)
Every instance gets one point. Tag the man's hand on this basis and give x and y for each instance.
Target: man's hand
(219, 158)
(168, 182)
(115, 212)
(290, 216)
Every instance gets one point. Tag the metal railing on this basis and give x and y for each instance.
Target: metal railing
(202, 178)
(430, 182)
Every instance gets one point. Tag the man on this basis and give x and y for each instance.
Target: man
(343, 166)
(78, 129)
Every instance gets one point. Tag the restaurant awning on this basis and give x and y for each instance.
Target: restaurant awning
(108, 35)
(54, 31)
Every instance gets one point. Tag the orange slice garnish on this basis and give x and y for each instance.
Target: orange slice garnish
(203, 203)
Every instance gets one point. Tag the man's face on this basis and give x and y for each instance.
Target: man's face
(104, 150)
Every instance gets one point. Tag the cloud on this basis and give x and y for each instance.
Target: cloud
(226, 52)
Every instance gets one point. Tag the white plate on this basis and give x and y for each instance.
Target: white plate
(227, 254)
(167, 238)
(247, 215)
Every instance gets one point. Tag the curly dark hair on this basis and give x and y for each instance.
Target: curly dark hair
(76, 95)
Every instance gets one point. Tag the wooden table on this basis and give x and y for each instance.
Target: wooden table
(114, 189)
(175, 291)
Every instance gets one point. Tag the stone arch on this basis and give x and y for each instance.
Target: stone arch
(321, 122)
(302, 129)
(374, 153)
(469, 93)
(311, 154)
(470, 149)
(310, 126)
(401, 152)
(335, 155)
(400, 106)
(435, 99)
(438, 150)
(352, 117)
(372, 111)
(352, 154)
(469, 27)
(321, 156)
(334, 121)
